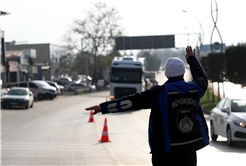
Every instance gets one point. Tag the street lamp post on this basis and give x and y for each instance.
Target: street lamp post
(3, 13)
(201, 37)
(200, 31)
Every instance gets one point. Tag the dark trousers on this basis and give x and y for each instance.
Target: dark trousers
(187, 159)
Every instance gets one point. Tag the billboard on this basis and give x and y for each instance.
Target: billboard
(144, 42)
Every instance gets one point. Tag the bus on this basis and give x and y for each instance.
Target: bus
(127, 76)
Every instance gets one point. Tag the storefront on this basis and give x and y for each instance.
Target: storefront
(19, 66)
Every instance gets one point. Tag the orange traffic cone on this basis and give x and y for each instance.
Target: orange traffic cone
(91, 117)
(105, 133)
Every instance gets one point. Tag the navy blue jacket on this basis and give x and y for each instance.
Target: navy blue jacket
(176, 124)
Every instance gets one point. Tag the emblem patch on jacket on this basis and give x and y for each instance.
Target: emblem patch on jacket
(185, 120)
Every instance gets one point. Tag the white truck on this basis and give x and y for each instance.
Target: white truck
(127, 76)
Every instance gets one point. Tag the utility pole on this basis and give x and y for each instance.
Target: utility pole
(5, 76)
(86, 62)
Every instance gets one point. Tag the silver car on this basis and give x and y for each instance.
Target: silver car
(18, 97)
(79, 87)
(228, 119)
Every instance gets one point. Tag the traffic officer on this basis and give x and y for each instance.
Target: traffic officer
(177, 127)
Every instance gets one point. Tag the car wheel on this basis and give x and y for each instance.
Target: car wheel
(40, 97)
(31, 105)
(229, 137)
(27, 105)
(213, 135)
(51, 98)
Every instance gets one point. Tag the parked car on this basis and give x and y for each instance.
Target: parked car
(61, 88)
(3, 94)
(63, 80)
(55, 85)
(18, 97)
(40, 89)
(83, 78)
(79, 87)
(228, 119)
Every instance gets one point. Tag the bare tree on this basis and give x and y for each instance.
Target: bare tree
(95, 32)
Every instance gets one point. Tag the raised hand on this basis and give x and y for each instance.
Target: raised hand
(189, 52)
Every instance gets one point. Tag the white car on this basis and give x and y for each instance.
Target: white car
(228, 119)
(40, 89)
(18, 97)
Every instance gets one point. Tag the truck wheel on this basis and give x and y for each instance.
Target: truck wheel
(40, 97)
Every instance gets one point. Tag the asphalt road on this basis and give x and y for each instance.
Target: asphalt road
(57, 132)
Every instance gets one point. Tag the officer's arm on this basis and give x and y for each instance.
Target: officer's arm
(198, 73)
(141, 100)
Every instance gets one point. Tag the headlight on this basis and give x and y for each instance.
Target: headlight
(240, 124)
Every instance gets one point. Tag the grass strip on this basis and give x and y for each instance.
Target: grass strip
(207, 100)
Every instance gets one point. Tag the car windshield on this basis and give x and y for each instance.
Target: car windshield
(238, 105)
(122, 75)
(19, 92)
(42, 84)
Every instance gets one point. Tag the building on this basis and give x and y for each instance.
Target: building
(19, 65)
(3, 68)
(47, 61)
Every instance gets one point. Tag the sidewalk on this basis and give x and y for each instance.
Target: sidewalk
(229, 90)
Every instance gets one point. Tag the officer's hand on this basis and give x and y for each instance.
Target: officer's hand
(95, 108)
(189, 52)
